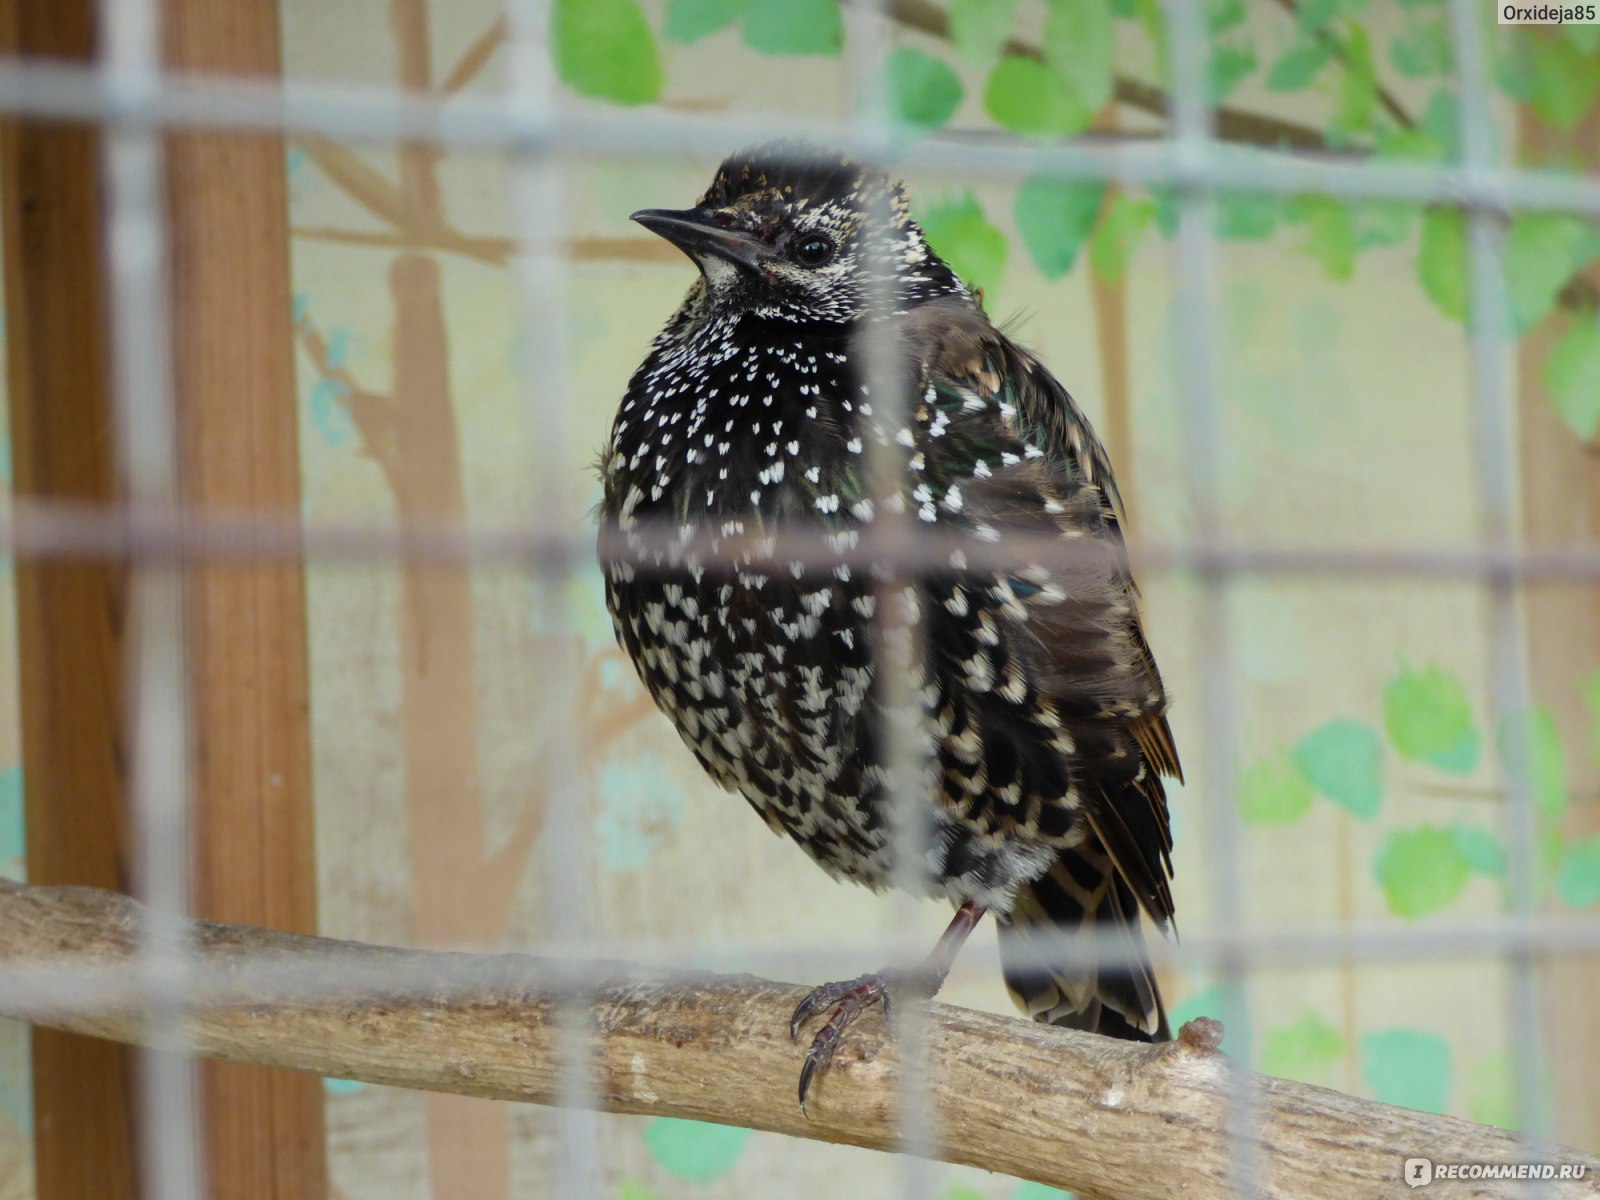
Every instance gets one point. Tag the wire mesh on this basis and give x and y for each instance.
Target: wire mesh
(1195, 364)
(157, 709)
(136, 102)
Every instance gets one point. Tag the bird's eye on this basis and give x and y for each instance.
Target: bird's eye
(811, 249)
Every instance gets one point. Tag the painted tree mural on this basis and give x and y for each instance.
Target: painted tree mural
(1385, 90)
(1397, 777)
(411, 434)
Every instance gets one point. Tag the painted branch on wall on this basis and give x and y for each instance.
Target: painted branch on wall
(1103, 1118)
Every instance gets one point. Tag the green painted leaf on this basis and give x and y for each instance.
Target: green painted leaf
(691, 20)
(1298, 66)
(1273, 792)
(1421, 870)
(635, 1189)
(1025, 96)
(13, 839)
(1547, 766)
(1078, 46)
(1422, 50)
(1408, 1067)
(1490, 1086)
(1303, 1051)
(694, 1150)
(1563, 81)
(966, 239)
(962, 1191)
(1481, 849)
(1231, 65)
(1584, 38)
(1312, 15)
(1442, 118)
(1343, 760)
(1246, 216)
(1542, 250)
(979, 28)
(1461, 758)
(1572, 376)
(923, 91)
(1358, 85)
(1331, 236)
(1383, 222)
(1578, 881)
(604, 49)
(1152, 14)
(1222, 15)
(1428, 719)
(1513, 61)
(794, 26)
(1040, 1191)
(1055, 217)
(1117, 235)
(1442, 261)
(1411, 145)
(1168, 211)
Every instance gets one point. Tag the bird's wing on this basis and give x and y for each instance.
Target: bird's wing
(1050, 647)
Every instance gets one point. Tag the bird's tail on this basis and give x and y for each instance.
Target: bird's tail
(1083, 890)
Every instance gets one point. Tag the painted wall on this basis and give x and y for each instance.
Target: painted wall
(457, 715)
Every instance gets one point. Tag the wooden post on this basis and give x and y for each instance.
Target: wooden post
(1561, 506)
(69, 614)
(246, 629)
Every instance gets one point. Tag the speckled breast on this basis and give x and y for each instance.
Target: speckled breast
(766, 669)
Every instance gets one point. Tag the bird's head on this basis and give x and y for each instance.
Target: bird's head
(792, 233)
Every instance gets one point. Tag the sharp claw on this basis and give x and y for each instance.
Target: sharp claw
(847, 1000)
(817, 1059)
(817, 1000)
(801, 1012)
(806, 1072)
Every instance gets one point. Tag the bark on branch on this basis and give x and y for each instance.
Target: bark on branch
(1103, 1118)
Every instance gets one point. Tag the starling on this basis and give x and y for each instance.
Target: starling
(1039, 710)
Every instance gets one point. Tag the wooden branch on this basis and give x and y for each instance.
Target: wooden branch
(1104, 1118)
(472, 63)
(496, 251)
(370, 411)
(492, 251)
(348, 171)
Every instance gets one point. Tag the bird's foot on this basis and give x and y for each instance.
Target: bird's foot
(847, 999)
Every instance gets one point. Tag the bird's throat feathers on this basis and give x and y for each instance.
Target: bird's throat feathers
(738, 414)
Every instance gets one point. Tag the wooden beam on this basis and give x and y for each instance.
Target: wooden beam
(246, 623)
(1561, 507)
(69, 614)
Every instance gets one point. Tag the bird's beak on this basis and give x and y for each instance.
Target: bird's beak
(690, 231)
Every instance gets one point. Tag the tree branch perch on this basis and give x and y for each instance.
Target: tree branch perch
(1103, 1118)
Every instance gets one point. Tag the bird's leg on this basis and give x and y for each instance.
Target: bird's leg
(850, 997)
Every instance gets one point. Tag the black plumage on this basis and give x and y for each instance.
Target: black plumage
(1040, 710)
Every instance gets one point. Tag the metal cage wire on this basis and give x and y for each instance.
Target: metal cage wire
(131, 97)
